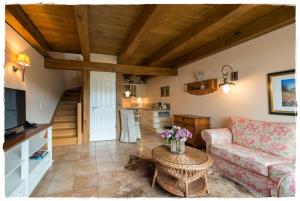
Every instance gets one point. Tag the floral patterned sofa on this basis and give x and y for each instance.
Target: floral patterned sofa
(257, 154)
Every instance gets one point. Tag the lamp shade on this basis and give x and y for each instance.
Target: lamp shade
(227, 87)
(23, 60)
(127, 93)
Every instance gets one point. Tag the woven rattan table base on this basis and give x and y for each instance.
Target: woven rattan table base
(171, 184)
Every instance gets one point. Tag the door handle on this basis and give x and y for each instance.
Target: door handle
(94, 108)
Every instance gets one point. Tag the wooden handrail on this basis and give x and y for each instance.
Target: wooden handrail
(79, 123)
(79, 118)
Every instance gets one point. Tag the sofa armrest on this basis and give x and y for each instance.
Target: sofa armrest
(286, 186)
(216, 136)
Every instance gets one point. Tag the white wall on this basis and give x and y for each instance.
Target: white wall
(72, 78)
(105, 58)
(42, 86)
(272, 52)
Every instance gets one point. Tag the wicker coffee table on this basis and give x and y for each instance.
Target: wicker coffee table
(181, 174)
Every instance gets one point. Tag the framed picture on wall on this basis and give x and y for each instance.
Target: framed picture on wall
(282, 93)
(164, 91)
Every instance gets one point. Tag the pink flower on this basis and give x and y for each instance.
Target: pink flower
(281, 130)
(252, 127)
(277, 147)
(265, 138)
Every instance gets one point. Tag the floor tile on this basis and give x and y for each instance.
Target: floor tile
(85, 181)
(86, 192)
(106, 166)
(60, 186)
(109, 190)
(87, 169)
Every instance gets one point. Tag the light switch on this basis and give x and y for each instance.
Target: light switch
(41, 107)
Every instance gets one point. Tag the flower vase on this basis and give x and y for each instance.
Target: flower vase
(177, 146)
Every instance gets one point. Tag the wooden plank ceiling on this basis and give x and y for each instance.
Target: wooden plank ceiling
(147, 35)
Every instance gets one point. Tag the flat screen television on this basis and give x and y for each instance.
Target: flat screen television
(15, 111)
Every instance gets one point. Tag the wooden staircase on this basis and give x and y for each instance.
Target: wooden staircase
(66, 122)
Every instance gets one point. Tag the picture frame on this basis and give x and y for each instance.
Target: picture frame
(282, 93)
(165, 91)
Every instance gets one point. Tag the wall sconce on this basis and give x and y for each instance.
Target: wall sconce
(227, 86)
(23, 61)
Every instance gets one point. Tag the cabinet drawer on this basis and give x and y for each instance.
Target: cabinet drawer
(184, 120)
(203, 122)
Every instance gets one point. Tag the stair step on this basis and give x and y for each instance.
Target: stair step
(63, 125)
(72, 95)
(74, 90)
(66, 102)
(64, 141)
(67, 107)
(64, 133)
(64, 118)
(70, 98)
(75, 94)
(65, 113)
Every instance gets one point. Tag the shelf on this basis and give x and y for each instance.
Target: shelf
(33, 164)
(10, 189)
(202, 88)
(9, 168)
(13, 181)
(13, 159)
(22, 175)
(36, 144)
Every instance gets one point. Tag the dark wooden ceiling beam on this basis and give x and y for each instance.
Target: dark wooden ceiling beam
(189, 35)
(107, 67)
(81, 18)
(143, 24)
(281, 17)
(19, 21)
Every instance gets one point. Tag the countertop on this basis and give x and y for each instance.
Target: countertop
(13, 141)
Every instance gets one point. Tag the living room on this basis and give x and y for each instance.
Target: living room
(133, 106)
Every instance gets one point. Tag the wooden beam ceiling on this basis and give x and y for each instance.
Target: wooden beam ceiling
(190, 35)
(81, 17)
(280, 17)
(107, 67)
(143, 24)
(18, 20)
(156, 42)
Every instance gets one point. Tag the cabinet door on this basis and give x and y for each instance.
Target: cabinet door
(140, 90)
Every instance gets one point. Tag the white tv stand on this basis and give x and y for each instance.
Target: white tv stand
(21, 173)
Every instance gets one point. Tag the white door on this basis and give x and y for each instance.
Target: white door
(102, 106)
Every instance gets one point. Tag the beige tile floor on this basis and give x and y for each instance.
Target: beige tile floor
(97, 170)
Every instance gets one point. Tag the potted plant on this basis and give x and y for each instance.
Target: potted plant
(176, 137)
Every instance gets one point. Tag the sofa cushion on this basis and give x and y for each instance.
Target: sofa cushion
(279, 139)
(251, 159)
(278, 171)
(271, 137)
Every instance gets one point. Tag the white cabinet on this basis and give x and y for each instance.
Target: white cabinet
(21, 173)
(156, 120)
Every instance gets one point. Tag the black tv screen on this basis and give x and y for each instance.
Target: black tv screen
(15, 108)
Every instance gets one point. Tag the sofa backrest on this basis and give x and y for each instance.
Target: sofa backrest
(272, 137)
